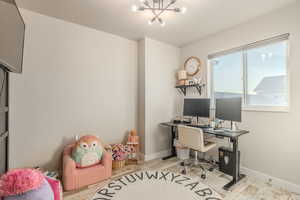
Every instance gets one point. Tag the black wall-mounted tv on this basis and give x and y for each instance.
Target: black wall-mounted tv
(12, 32)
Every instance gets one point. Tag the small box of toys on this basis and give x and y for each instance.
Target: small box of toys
(119, 155)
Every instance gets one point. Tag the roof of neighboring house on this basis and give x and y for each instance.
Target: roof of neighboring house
(272, 84)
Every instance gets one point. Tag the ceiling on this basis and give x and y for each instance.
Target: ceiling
(203, 17)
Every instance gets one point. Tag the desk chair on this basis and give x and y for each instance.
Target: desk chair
(193, 138)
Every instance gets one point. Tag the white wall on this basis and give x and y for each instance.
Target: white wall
(272, 147)
(75, 79)
(159, 65)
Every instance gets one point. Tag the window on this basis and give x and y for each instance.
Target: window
(228, 76)
(257, 73)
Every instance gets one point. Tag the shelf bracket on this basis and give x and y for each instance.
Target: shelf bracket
(183, 90)
(199, 88)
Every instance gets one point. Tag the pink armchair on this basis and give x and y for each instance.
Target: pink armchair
(74, 178)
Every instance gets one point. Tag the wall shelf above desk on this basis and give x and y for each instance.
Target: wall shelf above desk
(183, 88)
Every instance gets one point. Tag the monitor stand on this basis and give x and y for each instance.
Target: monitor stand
(199, 122)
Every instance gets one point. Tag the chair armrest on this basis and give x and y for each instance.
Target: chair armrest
(107, 160)
(70, 174)
(69, 165)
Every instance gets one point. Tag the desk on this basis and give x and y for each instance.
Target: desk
(234, 136)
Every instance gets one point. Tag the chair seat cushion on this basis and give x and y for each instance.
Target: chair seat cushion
(209, 145)
(91, 171)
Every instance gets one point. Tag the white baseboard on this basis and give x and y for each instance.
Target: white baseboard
(292, 187)
(161, 154)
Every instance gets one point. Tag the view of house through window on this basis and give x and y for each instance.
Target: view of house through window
(258, 74)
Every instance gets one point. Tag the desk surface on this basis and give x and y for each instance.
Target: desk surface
(219, 132)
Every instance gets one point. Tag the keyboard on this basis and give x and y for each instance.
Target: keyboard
(181, 122)
(199, 126)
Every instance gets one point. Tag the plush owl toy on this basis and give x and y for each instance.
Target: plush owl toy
(87, 151)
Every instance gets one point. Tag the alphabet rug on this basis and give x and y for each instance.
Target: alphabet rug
(156, 185)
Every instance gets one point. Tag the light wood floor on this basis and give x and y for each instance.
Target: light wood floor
(249, 188)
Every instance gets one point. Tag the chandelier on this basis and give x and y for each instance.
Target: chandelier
(158, 7)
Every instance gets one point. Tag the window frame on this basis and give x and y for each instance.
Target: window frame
(244, 49)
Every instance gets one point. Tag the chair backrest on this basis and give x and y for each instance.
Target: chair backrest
(191, 137)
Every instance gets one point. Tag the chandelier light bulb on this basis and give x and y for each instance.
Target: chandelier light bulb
(183, 10)
(134, 8)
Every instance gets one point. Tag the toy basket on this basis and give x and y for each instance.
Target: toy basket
(118, 164)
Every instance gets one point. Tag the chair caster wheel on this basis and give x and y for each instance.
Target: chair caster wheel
(203, 176)
(211, 169)
(183, 172)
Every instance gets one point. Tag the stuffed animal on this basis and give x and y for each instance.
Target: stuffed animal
(25, 184)
(87, 151)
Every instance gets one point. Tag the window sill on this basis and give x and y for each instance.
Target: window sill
(284, 109)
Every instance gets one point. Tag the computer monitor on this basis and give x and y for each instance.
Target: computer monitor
(196, 107)
(229, 109)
